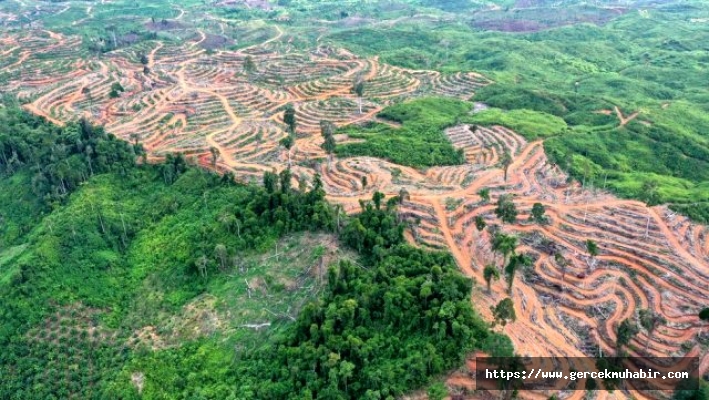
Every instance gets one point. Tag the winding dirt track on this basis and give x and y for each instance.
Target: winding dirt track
(191, 102)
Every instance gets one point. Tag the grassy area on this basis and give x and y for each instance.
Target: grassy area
(637, 161)
(7, 265)
(419, 142)
(530, 124)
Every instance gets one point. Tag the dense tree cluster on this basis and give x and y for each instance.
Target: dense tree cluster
(59, 159)
(375, 229)
(378, 332)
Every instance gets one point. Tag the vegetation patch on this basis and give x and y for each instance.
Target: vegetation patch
(419, 142)
(530, 124)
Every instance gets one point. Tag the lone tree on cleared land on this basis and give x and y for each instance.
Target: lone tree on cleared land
(480, 223)
(249, 65)
(563, 263)
(506, 209)
(490, 273)
(287, 142)
(289, 118)
(329, 147)
(504, 244)
(484, 195)
(327, 129)
(624, 334)
(503, 312)
(358, 88)
(592, 249)
(538, 214)
(215, 155)
(86, 91)
(403, 195)
(650, 321)
(704, 314)
(506, 161)
(516, 262)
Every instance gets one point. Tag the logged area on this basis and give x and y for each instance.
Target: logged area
(346, 200)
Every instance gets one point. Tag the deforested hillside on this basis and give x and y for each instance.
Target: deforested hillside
(120, 280)
(345, 199)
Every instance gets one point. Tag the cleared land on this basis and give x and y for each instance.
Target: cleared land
(190, 100)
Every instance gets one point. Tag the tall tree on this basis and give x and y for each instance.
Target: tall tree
(506, 209)
(377, 198)
(506, 161)
(86, 91)
(538, 214)
(285, 178)
(490, 273)
(650, 321)
(329, 146)
(327, 130)
(504, 312)
(338, 214)
(358, 88)
(516, 262)
(563, 263)
(135, 138)
(249, 65)
(201, 265)
(222, 254)
(215, 155)
(403, 195)
(504, 244)
(287, 142)
(270, 182)
(289, 118)
(480, 223)
(592, 249)
(624, 334)
(484, 194)
(704, 314)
